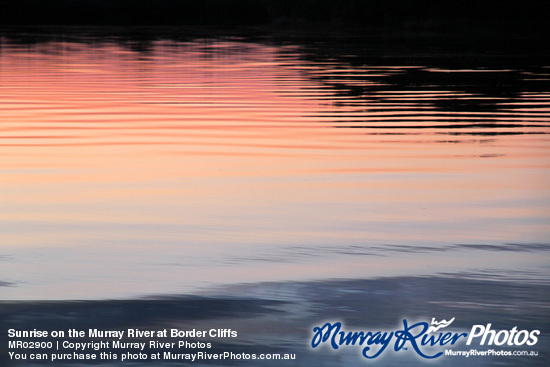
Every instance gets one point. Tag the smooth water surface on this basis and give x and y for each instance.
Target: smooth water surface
(168, 166)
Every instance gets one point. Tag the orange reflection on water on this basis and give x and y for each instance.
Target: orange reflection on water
(211, 153)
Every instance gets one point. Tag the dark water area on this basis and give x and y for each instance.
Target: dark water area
(268, 181)
(466, 17)
(279, 317)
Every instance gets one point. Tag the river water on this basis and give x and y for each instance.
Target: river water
(135, 166)
(270, 181)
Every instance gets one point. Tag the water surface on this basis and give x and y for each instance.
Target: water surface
(171, 165)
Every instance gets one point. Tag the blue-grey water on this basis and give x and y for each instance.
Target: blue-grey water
(337, 176)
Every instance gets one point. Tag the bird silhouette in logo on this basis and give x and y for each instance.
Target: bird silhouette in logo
(439, 325)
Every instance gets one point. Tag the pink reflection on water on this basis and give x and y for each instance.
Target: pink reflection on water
(200, 152)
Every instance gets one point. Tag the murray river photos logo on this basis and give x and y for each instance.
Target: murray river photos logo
(429, 341)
